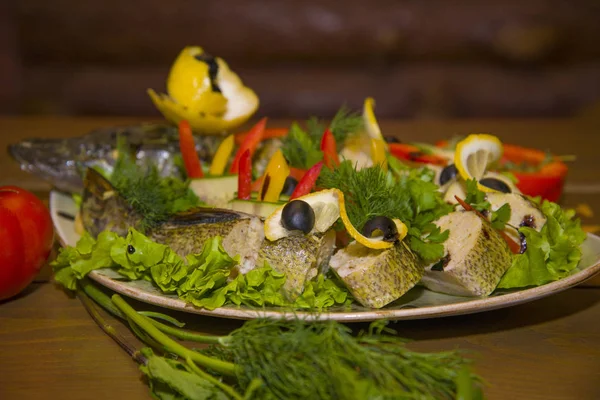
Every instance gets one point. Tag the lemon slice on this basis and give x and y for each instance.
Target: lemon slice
(475, 154)
(372, 243)
(325, 204)
(192, 95)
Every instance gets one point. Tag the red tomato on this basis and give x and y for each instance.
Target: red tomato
(26, 236)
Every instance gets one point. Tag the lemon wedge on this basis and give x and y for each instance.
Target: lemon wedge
(369, 120)
(325, 204)
(474, 154)
(205, 92)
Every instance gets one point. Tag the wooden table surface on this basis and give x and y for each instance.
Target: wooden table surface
(546, 349)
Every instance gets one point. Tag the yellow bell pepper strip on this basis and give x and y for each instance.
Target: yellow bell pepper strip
(188, 151)
(378, 153)
(307, 182)
(369, 120)
(245, 176)
(275, 174)
(329, 149)
(219, 162)
(250, 143)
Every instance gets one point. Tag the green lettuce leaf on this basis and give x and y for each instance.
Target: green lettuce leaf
(74, 263)
(552, 254)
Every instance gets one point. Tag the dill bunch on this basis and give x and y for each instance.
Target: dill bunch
(410, 196)
(323, 360)
(369, 192)
(155, 197)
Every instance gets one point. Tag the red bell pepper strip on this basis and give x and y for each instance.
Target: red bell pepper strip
(188, 151)
(250, 143)
(514, 247)
(297, 173)
(547, 181)
(412, 153)
(257, 184)
(329, 149)
(245, 176)
(308, 181)
(270, 133)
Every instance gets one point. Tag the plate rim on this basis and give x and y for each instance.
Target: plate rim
(473, 306)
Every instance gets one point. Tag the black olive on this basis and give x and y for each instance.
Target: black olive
(448, 173)
(289, 186)
(391, 139)
(495, 184)
(130, 249)
(298, 215)
(385, 225)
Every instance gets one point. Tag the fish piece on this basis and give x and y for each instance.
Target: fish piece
(102, 208)
(377, 277)
(523, 212)
(63, 162)
(475, 257)
(298, 257)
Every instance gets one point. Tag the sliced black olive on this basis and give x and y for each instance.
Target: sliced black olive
(495, 184)
(383, 224)
(289, 186)
(130, 249)
(448, 173)
(298, 215)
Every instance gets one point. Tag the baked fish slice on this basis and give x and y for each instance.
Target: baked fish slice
(377, 277)
(298, 257)
(475, 259)
(523, 212)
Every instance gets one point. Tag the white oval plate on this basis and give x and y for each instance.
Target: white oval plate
(418, 303)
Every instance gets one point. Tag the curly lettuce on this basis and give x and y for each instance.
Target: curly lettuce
(552, 254)
(206, 279)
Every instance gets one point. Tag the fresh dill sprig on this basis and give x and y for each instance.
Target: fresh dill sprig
(155, 197)
(369, 192)
(325, 361)
(410, 196)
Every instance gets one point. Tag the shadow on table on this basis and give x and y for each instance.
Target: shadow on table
(537, 312)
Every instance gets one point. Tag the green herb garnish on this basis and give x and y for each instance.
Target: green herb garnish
(279, 359)
(301, 148)
(411, 197)
(156, 198)
(500, 217)
(475, 197)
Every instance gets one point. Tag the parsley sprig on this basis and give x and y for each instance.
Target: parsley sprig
(301, 147)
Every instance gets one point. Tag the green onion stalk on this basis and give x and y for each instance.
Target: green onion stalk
(272, 359)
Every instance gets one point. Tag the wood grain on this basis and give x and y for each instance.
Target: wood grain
(547, 349)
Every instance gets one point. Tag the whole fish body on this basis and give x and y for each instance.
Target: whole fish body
(63, 162)
(298, 257)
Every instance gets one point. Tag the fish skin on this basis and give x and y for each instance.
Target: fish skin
(63, 162)
(298, 257)
(384, 275)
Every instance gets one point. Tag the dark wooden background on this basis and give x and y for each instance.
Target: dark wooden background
(419, 59)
